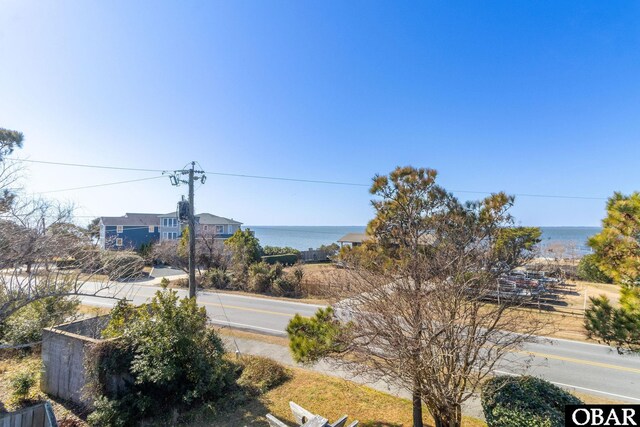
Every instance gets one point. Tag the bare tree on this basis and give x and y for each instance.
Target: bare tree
(210, 252)
(420, 308)
(43, 255)
(55, 260)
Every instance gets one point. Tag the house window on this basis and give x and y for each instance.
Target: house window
(119, 241)
(152, 228)
(171, 235)
(170, 222)
(119, 228)
(205, 227)
(219, 229)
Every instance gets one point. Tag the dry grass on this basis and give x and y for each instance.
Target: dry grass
(12, 363)
(318, 278)
(328, 396)
(92, 311)
(270, 339)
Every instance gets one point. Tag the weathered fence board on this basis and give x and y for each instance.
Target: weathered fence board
(40, 415)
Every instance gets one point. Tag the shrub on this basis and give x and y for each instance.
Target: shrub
(277, 250)
(524, 401)
(164, 283)
(259, 277)
(588, 270)
(107, 413)
(25, 325)
(285, 259)
(261, 374)
(181, 283)
(286, 287)
(122, 265)
(216, 278)
(21, 385)
(331, 249)
(172, 359)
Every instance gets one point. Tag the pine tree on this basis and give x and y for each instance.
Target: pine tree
(617, 255)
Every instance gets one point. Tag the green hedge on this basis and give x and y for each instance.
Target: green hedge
(524, 402)
(286, 259)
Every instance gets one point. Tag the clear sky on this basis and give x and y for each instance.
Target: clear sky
(539, 97)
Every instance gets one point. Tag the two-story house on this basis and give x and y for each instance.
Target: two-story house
(217, 226)
(129, 231)
(133, 230)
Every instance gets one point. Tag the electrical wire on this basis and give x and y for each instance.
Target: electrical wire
(81, 165)
(99, 185)
(308, 181)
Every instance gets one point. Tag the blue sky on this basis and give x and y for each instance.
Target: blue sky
(539, 97)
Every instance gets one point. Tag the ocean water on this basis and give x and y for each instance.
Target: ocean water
(305, 237)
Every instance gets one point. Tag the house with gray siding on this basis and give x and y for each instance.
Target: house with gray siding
(132, 230)
(217, 226)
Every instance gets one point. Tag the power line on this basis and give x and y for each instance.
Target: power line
(308, 181)
(81, 165)
(99, 185)
(276, 178)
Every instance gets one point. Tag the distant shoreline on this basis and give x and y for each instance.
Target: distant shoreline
(303, 237)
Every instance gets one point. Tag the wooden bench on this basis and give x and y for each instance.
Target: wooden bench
(306, 418)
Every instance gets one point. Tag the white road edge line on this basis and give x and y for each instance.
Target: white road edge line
(575, 386)
(224, 323)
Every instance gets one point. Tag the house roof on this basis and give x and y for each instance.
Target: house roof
(425, 239)
(354, 238)
(209, 219)
(142, 219)
(154, 219)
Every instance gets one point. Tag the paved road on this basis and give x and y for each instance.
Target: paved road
(589, 368)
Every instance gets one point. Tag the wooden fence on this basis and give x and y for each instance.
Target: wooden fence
(40, 415)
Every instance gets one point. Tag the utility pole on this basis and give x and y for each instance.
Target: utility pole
(192, 236)
(176, 180)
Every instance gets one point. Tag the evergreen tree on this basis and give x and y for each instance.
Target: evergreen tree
(617, 255)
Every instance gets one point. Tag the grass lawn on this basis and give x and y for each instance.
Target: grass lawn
(328, 396)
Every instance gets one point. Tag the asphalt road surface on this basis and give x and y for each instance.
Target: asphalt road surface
(588, 368)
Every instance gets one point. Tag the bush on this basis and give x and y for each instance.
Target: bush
(21, 385)
(260, 374)
(284, 286)
(285, 259)
(107, 413)
(277, 250)
(122, 265)
(181, 283)
(259, 277)
(588, 270)
(171, 358)
(216, 278)
(524, 401)
(25, 325)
